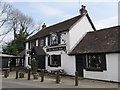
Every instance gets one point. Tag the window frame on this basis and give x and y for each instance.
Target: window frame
(39, 42)
(52, 42)
(33, 43)
(50, 62)
(98, 65)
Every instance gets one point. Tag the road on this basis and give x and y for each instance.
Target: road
(13, 83)
(49, 82)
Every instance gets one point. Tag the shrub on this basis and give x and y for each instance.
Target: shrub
(33, 65)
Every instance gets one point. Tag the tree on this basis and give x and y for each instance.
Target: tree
(10, 48)
(21, 25)
(4, 19)
(18, 44)
(13, 20)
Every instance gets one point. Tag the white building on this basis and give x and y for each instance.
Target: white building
(97, 55)
(57, 41)
(75, 45)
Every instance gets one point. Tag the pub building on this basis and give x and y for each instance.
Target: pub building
(74, 45)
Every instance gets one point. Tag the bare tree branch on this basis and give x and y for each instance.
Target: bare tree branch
(13, 20)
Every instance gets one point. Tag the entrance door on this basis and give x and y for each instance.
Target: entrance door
(40, 61)
(80, 64)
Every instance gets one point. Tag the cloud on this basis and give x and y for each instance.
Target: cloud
(108, 22)
(50, 11)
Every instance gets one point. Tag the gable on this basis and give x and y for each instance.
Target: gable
(78, 30)
(101, 41)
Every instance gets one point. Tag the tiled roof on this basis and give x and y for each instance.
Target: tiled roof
(62, 26)
(38, 50)
(100, 41)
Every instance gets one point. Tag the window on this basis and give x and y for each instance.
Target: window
(54, 39)
(95, 62)
(41, 42)
(33, 43)
(54, 60)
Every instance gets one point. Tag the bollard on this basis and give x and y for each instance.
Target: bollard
(17, 71)
(76, 78)
(29, 74)
(57, 77)
(42, 76)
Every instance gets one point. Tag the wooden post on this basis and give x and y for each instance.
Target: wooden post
(76, 78)
(17, 71)
(57, 77)
(42, 76)
(29, 74)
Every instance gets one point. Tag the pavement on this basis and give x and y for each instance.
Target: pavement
(50, 82)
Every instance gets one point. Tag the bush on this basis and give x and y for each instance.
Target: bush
(33, 65)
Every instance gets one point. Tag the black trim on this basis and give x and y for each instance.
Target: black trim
(29, 61)
(48, 40)
(91, 22)
(49, 61)
(93, 53)
(56, 49)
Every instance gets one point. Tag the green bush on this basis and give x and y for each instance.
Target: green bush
(33, 65)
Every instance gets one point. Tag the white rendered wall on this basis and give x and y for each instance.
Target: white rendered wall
(36, 42)
(78, 30)
(26, 55)
(64, 37)
(26, 45)
(119, 67)
(67, 63)
(111, 74)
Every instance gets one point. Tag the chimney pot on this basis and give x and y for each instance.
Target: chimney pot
(83, 11)
(43, 26)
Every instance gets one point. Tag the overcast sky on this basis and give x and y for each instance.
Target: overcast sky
(103, 14)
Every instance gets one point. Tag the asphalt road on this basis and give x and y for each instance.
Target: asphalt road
(13, 83)
(66, 82)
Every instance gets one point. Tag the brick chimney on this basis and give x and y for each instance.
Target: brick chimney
(83, 11)
(43, 26)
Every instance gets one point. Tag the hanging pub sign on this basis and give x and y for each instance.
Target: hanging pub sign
(56, 49)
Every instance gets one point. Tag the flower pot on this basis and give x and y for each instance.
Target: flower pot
(6, 73)
(21, 75)
(35, 75)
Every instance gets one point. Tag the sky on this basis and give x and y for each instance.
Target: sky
(103, 14)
